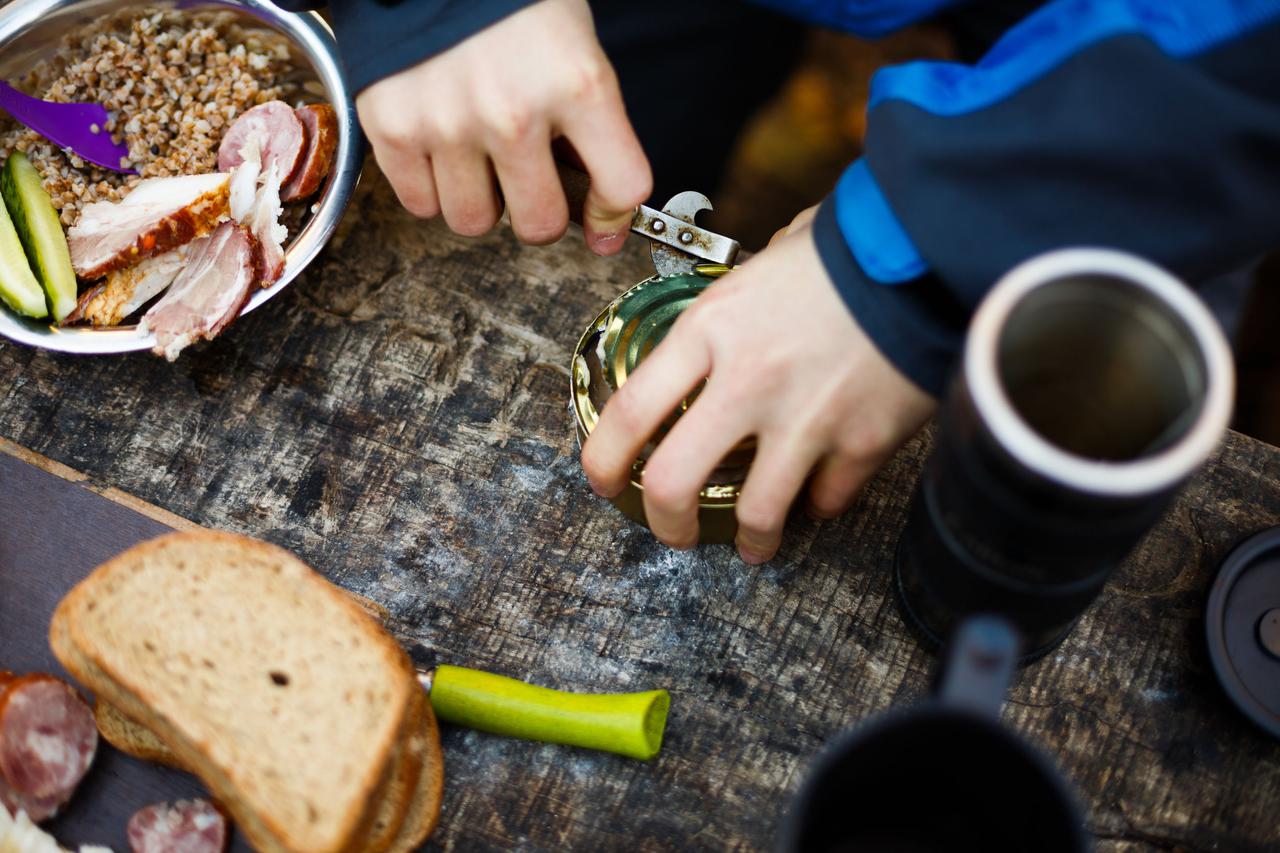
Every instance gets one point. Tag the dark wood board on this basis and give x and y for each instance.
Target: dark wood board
(55, 531)
(398, 418)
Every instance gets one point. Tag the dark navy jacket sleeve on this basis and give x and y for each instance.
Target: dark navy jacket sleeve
(377, 38)
(1151, 126)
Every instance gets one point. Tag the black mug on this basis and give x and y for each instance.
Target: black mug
(942, 776)
(1093, 384)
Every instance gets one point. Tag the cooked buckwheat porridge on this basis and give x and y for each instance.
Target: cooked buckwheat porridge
(171, 81)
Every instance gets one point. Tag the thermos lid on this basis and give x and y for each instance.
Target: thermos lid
(1242, 622)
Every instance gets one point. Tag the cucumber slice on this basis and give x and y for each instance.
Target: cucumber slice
(40, 232)
(18, 286)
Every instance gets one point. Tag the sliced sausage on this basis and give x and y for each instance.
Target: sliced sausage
(37, 808)
(187, 826)
(321, 123)
(282, 136)
(47, 737)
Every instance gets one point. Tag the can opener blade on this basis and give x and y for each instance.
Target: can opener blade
(678, 244)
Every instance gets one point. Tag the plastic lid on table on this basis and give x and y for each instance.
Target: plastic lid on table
(1242, 623)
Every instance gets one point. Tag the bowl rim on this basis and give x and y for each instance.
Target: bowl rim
(314, 39)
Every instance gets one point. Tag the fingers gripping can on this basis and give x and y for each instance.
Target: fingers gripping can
(613, 346)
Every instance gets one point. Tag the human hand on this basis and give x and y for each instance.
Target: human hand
(785, 362)
(489, 108)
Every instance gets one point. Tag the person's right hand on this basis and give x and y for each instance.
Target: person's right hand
(489, 107)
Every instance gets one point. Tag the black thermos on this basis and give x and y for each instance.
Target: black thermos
(1093, 384)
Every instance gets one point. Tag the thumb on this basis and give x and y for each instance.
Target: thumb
(605, 226)
(620, 176)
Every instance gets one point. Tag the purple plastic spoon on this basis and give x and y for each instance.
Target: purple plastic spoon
(67, 126)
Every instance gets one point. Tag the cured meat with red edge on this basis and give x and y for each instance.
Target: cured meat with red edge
(187, 826)
(37, 808)
(157, 215)
(47, 736)
(207, 294)
(321, 123)
(280, 132)
(47, 742)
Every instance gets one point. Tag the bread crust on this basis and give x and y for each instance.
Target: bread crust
(130, 737)
(402, 784)
(424, 808)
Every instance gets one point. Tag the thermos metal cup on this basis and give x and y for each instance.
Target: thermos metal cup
(1093, 385)
(941, 776)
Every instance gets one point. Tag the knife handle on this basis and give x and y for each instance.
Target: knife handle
(629, 724)
(576, 184)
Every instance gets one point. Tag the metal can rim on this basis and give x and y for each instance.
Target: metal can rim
(586, 415)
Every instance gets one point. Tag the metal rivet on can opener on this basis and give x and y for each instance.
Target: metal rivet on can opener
(658, 226)
(686, 237)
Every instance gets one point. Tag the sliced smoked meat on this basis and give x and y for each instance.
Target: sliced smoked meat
(279, 131)
(321, 123)
(158, 215)
(207, 294)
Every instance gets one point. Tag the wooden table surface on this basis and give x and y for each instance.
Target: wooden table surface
(398, 417)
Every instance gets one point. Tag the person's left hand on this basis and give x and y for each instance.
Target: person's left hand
(787, 363)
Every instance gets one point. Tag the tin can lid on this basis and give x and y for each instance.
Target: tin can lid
(616, 343)
(1242, 622)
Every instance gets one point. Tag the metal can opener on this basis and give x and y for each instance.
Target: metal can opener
(678, 245)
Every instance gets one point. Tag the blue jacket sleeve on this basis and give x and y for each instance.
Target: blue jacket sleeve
(866, 18)
(377, 38)
(1151, 126)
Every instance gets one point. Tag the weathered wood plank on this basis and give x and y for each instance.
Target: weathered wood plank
(399, 419)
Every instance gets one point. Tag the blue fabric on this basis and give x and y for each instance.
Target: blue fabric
(1059, 30)
(1037, 46)
(1122, 145)
(912, 324)
(875, 236)
(866, 18)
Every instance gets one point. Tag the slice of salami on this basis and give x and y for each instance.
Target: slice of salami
(187, 826)
(37, 808)
(47, 737)
(321, 123)
(281, 135)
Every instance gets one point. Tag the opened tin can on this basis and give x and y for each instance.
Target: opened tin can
(614, 345)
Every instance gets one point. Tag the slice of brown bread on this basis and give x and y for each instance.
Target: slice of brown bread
(416, 813)
(137, 740)
(133, 738)
(411, 805)
(281, 694)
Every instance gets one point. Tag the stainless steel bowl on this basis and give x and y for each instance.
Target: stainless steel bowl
(32, 29)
